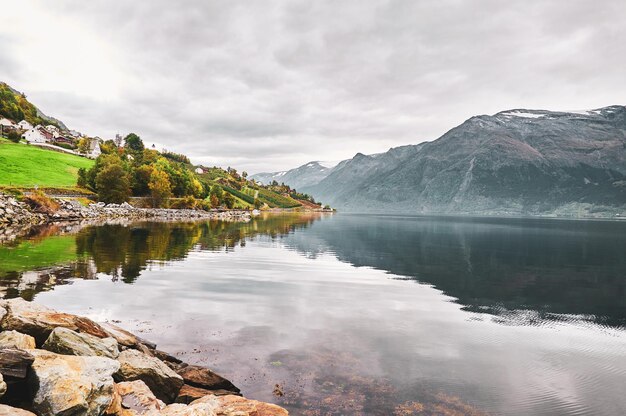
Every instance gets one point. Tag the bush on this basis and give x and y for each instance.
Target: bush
(188, 202)
(14, 136)
(112, 184)
(40, 202)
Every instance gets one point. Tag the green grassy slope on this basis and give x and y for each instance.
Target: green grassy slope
(26, 166)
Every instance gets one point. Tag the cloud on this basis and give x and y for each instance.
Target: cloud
(269, 85)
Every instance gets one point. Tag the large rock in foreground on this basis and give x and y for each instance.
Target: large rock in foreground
(203, 378)
(240, 406)
(14, 339)
(13, 411)
(71, 385)
(66, 341)
(39, 321)
(161, 379)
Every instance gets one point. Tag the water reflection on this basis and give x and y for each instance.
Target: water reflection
(53, 255)
(268, 302)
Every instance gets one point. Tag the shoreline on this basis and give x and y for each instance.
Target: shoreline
(56, 363)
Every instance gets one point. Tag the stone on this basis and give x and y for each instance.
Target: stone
(240, 406)
(66, 341)
(13, 411)
(39, 321)
(15, 363)
(14, 339)
(137, 397)
(71, 385)
(125, 338)
(161, 379)
(207, 408)
(188, 394)
(3, 386)
(204, 378)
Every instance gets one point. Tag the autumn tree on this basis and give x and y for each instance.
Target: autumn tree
(160, 188)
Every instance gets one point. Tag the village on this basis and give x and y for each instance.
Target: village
(52, 137)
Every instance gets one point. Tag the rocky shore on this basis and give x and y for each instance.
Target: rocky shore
(14, 212)
(53, 363)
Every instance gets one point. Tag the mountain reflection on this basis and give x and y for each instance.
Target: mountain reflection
(511, 268)
(540, 267)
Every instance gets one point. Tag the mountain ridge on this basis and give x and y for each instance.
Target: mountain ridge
(515, 162)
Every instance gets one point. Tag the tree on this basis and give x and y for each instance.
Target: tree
(257, 203)
(217, 191)
(228, 200)
(160, 188)
(244, 174)
(133, 143)
(83, 146)
(82, 178)
(112, 184)
(215, 202)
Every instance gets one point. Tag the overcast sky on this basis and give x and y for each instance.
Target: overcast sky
(269, 85)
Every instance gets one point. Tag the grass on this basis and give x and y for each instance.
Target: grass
(273, 199)
(26, 166)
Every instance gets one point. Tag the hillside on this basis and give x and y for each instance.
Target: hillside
(15, 106)
(27, 166)
(515, 162)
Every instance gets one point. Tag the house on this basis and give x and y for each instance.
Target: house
(93, 150)
(63, 139)
(24, 125)
(199, 170)
(75, 134)
(54, 130)
(5, 122)
(38, 134)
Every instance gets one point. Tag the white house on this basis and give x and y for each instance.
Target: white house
(94, 148)
(199, 171)
(54, 130)
(6, 122)
(38, 134)
(24, 125)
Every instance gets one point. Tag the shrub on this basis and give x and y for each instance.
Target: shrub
(14, 136)
(188, 202)
(42, 203)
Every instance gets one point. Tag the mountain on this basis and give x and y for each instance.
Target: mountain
(305, 175)
(516, 162)
(15, 106)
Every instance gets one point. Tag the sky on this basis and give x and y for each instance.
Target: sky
(269, 85)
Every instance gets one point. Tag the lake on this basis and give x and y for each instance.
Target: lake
(359, 314)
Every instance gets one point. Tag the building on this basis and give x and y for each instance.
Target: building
(5, 122)
(63, 139)
(38, 134)
(93, 150)
(54, 130)
(199, 170)
(24, 125)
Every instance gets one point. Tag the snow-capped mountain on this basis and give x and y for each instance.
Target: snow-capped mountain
(305, 175)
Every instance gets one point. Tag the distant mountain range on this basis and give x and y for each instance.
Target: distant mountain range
(516, 162)
(306, 175)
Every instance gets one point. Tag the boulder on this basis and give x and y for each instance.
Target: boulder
(135, 396)
(204, 378)
(39, 321)
(161, 379)
(188, 394)
(13, 411)
(208, 408)
(66, 341)
(125, 338)
(71, 385)
(240, 406)
(15, 363)
(3, 386)
(14, 339)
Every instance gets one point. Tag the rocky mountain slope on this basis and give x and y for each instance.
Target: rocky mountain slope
(514, 162)
(302, 176)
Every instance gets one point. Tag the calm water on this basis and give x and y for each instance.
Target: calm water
(360, 315)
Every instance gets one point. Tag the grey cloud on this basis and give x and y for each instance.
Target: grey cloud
(268, 85)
